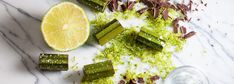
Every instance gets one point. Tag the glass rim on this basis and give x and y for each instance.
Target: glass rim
(187, 68)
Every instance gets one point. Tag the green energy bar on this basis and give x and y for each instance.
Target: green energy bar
(98, 70)
(110, 31)
(148, 38)
(98, 5)
(53, 62)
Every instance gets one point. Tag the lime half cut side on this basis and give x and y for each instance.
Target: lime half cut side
(65, 27)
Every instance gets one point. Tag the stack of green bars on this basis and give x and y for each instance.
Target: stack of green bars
(148, 38)
(110, 31)
(98, 70)
(53, 62)
(98, 5)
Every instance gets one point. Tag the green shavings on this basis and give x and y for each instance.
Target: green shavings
(130, 75)
(133, 75)
(125, 44)
(75, 67)
(108, 80)
(103, 18)
(98, 5)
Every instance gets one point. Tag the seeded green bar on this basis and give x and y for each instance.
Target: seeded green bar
(98, 70)
(98, 5)
(110, 31)
(53, 62)
(149, 32)
(151, 38)
(146, 37)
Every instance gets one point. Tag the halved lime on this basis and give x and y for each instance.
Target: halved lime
(65, 27)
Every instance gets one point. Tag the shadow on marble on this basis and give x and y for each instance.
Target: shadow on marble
(74, 76)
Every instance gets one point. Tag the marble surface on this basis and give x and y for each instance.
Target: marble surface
(21, 42)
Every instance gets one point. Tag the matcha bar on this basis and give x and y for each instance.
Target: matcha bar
(108, 28)
(98, 5)
(98, 70)
(110, 31)
(150, 39)
(53, 62)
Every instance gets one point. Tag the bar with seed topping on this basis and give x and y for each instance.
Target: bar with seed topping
(53, 62)
(98, 70)
(148, 38)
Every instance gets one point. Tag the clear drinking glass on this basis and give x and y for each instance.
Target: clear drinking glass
(186, 75)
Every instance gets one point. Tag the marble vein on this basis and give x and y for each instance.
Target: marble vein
(222, 47)
(178, 59)
(20, 25)
(19, 51)
(17, 48)
(21, 11)
(225, 35)
(22, 53)
(223, 22)
(10, 32)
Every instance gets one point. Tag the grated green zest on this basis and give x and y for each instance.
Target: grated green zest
(126, 45)
(108, 80)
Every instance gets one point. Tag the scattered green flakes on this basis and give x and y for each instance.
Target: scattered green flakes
(75, 67)
(74, 59)
(130, 75)
(160, 29)
(103, 18)
(125, 44)
(98, 5)
(143, 75)
(174, 14)
(108, 80)
(128, 14)
(99, 22)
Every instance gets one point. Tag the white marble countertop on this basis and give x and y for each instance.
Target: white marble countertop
(21, 42)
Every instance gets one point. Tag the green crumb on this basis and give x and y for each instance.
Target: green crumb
(125, 44)
(98, 5)
(108, 80)
(74, 67)
(130, 75)
(74, 59)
